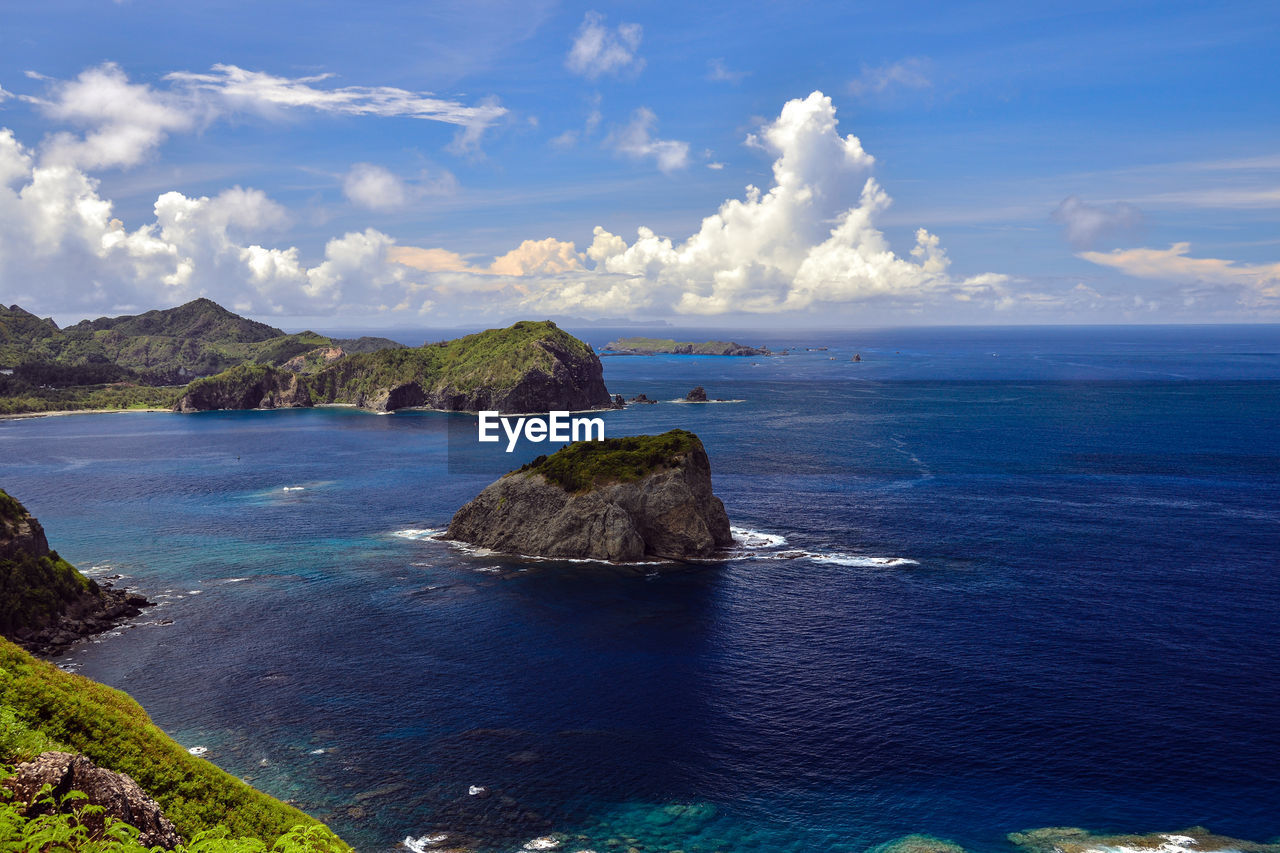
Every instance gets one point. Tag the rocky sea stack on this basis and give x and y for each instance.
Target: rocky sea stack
(45, 604)
(644, 497)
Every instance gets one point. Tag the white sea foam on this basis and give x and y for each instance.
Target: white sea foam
(1171, 844)
(418, 532)
(863, 561)
(423, 843)
(198, 750)
(705, 402)
(546, 842)
(293, 488)
(745, 537)
(317, 751)
(194, 591)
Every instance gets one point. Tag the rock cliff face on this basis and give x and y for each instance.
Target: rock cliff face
(45, 604)
(528, 367)
(246, 387)
(118, 795)
(623, 500)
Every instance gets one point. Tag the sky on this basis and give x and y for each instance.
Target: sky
(398, 164)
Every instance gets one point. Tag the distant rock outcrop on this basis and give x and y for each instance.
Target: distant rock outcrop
(622, 499)
(697, 395)
(667, 346)
(45, 604)
(119, 796)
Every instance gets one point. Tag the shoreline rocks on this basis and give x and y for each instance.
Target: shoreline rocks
(47, 605)
(85, 618)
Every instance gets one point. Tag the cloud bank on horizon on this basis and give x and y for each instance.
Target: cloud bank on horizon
(810, 244)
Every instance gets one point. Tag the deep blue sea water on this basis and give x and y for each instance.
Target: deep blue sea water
(1042, 591)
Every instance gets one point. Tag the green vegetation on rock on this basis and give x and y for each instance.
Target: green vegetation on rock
(525, 367)
(584, 465)
(35, 583)
(42, 706)
(495, 359)
(652, 346)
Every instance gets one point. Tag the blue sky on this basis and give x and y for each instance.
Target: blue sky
(400, 164)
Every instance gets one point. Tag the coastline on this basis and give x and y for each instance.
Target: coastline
(60, 412)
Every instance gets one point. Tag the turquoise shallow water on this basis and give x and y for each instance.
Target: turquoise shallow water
(1044, 593)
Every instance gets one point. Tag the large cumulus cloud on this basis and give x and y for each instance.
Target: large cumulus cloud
(809, 239)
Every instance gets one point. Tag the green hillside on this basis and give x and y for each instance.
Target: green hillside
(42, 708)
(528, 366)
(139, 361)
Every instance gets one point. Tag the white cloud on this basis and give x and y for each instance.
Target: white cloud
(62, 249)
(375, 188)
(1259, 284)
(717, 72)
(15, 161)
(1233, 198)
(532, 257)
(598, 50)
(124, 121)
(258, 91)
(565, 141)
(1086, 224)
(810, 240)
(4, 96)
(636, 140)
(911, 73)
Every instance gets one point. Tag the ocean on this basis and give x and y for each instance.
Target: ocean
(988, 580)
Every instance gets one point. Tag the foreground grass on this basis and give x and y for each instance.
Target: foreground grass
(42, 707)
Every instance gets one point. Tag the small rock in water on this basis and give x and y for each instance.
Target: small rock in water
(198, 750)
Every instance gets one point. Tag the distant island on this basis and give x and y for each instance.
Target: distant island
(645, 497)
(200, 356)
(667, 346)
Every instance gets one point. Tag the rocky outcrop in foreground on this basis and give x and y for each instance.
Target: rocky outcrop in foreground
(622, 499)
(118, 795)
(45, 604)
